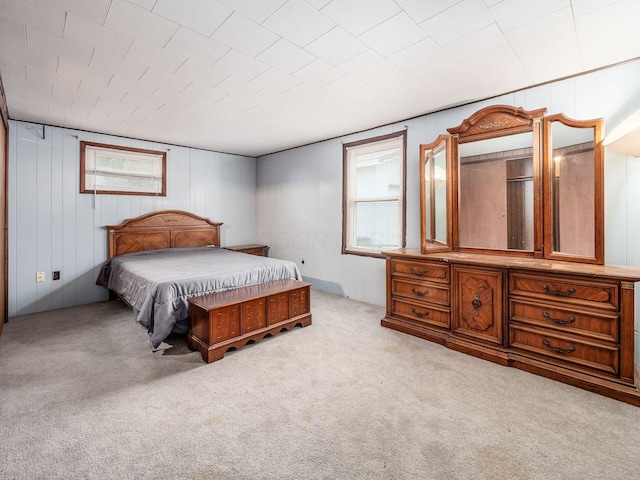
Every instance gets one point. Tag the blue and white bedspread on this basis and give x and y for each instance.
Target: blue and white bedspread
(158, 283)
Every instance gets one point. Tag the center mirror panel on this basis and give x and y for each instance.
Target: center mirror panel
(496, 194)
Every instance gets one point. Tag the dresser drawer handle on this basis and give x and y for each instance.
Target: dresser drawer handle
(546, 343)
(557, 321)
(421, 272)
(420, 294)
(476, 303)
(558, 293)
(418, 314)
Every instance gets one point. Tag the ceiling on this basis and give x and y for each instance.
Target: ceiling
(257, 76)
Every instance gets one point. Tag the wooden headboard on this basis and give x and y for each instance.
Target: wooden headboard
(162, 229)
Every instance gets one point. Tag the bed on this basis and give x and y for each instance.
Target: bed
(158, 261)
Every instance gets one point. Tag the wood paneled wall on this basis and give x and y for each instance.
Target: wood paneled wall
(54, 227)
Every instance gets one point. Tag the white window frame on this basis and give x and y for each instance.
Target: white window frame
(88, 170)
(350, 201)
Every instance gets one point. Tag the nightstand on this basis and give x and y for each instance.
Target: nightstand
(251, 249)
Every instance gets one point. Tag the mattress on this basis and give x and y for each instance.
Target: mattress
(158, 283)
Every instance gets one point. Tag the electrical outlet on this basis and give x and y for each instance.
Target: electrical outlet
(55, 275)
(40, 277)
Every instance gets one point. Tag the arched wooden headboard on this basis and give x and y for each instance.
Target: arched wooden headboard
(162, 229)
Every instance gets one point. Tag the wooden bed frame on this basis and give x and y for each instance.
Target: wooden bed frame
(162, 229)
(224, 320)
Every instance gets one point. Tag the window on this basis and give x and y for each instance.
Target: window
(122, 170)
(374, 195)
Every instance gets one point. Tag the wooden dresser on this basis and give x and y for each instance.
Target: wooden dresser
(567, 321)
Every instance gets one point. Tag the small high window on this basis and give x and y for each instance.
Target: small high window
(122, 170)
(374, 195)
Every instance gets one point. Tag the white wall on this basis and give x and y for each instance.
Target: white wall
(299, 192)
(53, 227)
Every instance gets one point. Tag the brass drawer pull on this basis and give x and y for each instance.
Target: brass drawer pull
(558, 293)
(416, 272)
(476, 303)
(557, 321)
(420, 294)
(418, 314)
(546, 343)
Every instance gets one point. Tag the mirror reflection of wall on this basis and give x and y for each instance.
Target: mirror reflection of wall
(573, 189)
(440, 195)
(496, 193)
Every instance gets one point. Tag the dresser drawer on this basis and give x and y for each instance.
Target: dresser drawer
(419, 291)
(566, 290)
(595, 324)
(433, 272)
(430, 315)
(570, 349)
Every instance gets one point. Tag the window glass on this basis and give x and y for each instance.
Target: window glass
(374, 195)
(115, 169)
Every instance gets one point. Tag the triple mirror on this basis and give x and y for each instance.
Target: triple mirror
(512, 181)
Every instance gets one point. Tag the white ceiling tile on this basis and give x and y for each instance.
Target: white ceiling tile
(393, 35)
(74, 73)
(85, 32)
(145, 54)
(13, 73)
(146, 4)
(273, 79)
(511, 14)
(582, 7)
(59, 47)
(286, 56)
(241, 87)
(319, 73)
(366, 64)
(318, 4)
(240, 65)
(203, 16)
(158, 78)
(12, 34)
(34, 13)
(359, 16)
(477, 43)
(494, 81)
(109, 64)
(491, 3)
(191, 44)
(347, 87)
(421, 10)
(458, 21)
(201, 91)
(30, 57)
(303, 94)
(554, 24)
(393, 79)
(536, 58)
(192, 70)
(336, 46)
(614, 27)
(256, 11)
(245, 35)
(298, 22)
(418, 55)
(93, 10)
(133, 20)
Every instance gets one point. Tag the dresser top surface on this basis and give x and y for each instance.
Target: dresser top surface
(619, 272)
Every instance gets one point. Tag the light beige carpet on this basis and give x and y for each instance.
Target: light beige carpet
(83, 396)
